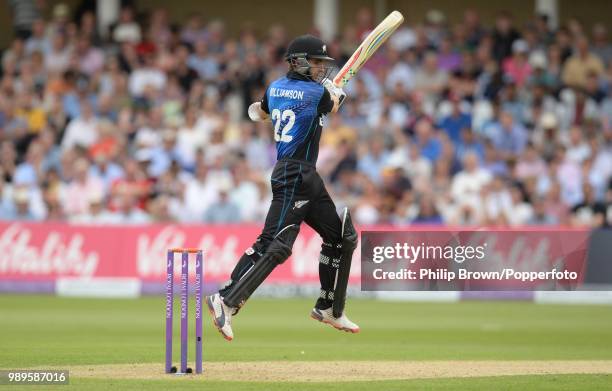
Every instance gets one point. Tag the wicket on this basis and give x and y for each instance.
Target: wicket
(184, 308)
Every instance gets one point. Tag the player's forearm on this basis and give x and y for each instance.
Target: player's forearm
(336, 104)
(336, 93)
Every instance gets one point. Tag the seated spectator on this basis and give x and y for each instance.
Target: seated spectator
(507, 136)
(569, 175)
(83, 130)
(245, 192)
(200, 193)
(428, 213)
(57, 57)
(427, 140)
(576, 108)
(366, 209)
(577, 148)
(530, 164)
(517, 68)
(127, 30)
(469, 143)
(203, 62)
(540, 215)
(30, 110)
(107, 171)
(520, 211)
(456, 121)
(21, 210)
(79, 191)
(504, 35)
(407, 155)
(374, 160)
(448, 57)
(96, 214)
(38, 41)
(30, 171)
(194, 30)
(223, 211)
(581, 64)
(467, 184)
(161, 158)
(589, 212)
(90, 58)
(128, 211)
(135, 182)
(594, 89)
(498, 202)
(146, 75)
(512, 102)
(601, 45)
(429, 79)
(400, 72)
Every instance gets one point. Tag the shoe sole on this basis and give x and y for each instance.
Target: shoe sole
(319, 318)
(211, 310)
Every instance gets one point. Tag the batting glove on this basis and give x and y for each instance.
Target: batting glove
(334, 90)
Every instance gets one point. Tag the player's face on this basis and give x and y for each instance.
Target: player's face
(319, 69)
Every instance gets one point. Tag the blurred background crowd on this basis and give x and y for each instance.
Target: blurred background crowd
(450, 123)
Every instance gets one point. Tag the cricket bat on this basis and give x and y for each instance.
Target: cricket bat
(368, 47)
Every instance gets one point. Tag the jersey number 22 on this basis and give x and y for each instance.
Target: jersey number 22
(280, 135)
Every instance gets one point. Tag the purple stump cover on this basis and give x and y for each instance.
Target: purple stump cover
(198, 311)
(169, 309)
(184, 309)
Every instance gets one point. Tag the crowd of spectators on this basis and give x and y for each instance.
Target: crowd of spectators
(450, 123)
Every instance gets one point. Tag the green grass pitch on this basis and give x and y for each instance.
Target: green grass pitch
(44, 331)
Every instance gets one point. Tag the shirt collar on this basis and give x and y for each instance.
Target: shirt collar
(298, 76)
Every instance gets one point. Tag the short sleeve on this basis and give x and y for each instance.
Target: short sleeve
(264, 103)
(326, 104)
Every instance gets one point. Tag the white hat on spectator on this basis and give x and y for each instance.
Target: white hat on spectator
(168, 135)
(60, 10)
(143, 155)
(147, 138)
(225, 187)
(520, 46)
(24, 178)
(21, 195)
(96, 197)
(548, 120)
(435, 16)
(403, 39)
(395, 161)
(538, 60)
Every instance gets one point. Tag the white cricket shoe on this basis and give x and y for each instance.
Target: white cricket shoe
(341, 323)
(221, 314)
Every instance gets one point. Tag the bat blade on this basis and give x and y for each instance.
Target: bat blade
(368, 47)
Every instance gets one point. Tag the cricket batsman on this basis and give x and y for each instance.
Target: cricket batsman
(295, 105)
